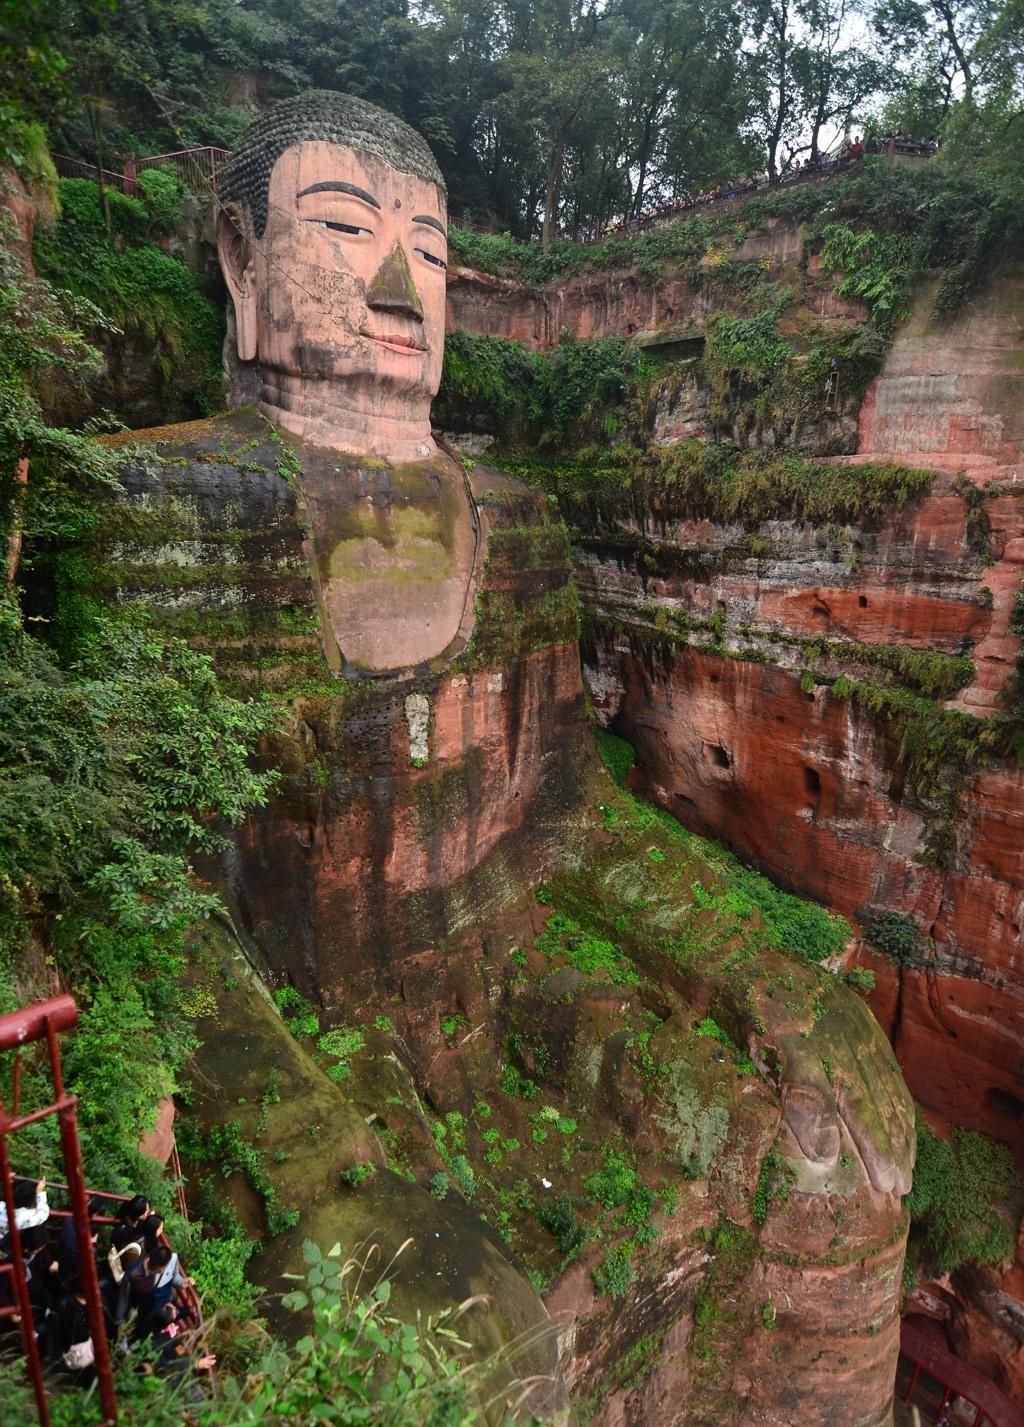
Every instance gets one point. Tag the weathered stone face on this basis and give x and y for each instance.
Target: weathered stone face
(346, 288)
(342, 299)
(336, 266)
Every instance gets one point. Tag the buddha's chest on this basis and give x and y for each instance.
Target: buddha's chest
(393, 551)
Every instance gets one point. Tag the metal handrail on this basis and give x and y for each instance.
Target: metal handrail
(994, 1408)
(42, 1022)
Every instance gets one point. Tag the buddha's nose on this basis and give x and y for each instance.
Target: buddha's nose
(392, 288)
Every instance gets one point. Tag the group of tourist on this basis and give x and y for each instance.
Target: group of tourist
(140, 1278)
(849, 153)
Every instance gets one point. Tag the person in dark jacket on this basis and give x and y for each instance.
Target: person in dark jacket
(67, 1248)
(128, 1228)
(74, 1339)
(115, 1287)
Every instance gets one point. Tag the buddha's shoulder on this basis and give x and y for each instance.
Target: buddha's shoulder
(232, 461)
(209, 438)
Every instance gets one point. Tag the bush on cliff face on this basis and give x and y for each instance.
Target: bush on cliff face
(718, 482)
(965, 1206)
(161, 193)
(680, 244)
(883, 228)
(899, 938)
(577, 390)
(136, 284)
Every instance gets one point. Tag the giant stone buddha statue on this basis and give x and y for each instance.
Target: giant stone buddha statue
(416, 619)
(413, 625)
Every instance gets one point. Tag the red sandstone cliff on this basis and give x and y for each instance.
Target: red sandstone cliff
(814, 787)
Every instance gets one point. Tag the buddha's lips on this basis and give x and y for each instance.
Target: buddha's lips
(396, 342)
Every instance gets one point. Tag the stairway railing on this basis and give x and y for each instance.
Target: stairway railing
(44, 1022)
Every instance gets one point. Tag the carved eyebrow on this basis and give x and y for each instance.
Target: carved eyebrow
(431, 223)
(337, 186)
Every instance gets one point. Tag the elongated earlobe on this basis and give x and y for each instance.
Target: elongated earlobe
(237, 267)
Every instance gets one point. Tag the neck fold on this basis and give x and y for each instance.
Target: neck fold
(334, 418)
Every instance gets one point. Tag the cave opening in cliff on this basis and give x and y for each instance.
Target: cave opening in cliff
(812, 782)
(717, 755)
(1006, 1104)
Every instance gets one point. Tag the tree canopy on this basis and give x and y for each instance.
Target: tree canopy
(544, 114)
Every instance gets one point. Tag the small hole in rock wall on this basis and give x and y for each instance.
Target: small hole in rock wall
(716, 754)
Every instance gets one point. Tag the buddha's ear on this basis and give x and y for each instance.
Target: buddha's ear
(239, 274)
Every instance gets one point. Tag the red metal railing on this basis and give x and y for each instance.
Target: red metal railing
(198, 170)
(43, 1022)
(931, 1377)
(75, 168)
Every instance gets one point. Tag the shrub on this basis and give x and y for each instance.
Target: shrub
(898, 937)
(860, 978)
(615, 1272)
(299, 1016)
(617, 754)
(161, 193)
(219, 1272)
(462, 1173)
(358, 1174)
(966, 1201)
(561, 1219)
(613, 1183)
(342, 1042)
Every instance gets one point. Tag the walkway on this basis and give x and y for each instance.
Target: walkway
(935, 1380)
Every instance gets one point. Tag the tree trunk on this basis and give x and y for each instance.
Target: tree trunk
(961, 56)
(97, 135)
(17, 520)
(556, 161)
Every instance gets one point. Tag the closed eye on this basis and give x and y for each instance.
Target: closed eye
(438, 262)
(351, 228)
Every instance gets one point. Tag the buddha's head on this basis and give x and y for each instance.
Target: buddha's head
(333, 245)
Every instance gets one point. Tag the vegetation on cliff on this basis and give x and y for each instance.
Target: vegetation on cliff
(121, 754)
(720, 482)
(107, 254)
(550, 399)
(966, 1203)
(882, 231)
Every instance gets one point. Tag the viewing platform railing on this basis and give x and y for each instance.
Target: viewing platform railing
(43, 1023)
(932, 1378)
(197, 170)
